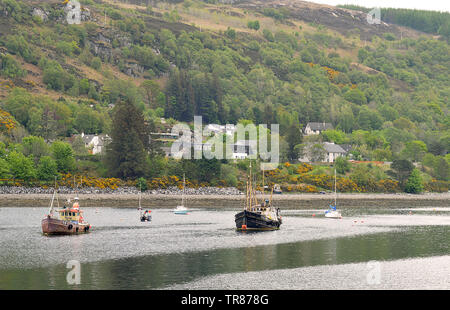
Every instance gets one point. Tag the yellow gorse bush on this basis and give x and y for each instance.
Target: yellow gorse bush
(7, 121)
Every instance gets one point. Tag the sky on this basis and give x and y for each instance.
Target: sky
(435, 5)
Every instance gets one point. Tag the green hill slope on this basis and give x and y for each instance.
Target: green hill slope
(385, 87)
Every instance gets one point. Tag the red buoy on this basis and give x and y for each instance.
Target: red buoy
(244, 227)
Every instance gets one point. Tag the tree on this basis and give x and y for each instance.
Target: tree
(361, 175)
(356, 96)
(34, 146)
(342, 165)
(401, 170)
(63, 154)
(151, 90)
(294, 137)
(141, 184)
(415, 150)
(414, 184)
(5, 168)
(316, 152)
(441, 169)
(127, 152)
(47, 168)
(22, 167)
(89, 121)
(332, 135)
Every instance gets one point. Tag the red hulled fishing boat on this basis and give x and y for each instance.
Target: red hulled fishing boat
(68, 221)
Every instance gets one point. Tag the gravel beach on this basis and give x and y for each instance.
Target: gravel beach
(209, 197)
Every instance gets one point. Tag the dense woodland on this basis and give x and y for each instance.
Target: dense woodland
(388, 98)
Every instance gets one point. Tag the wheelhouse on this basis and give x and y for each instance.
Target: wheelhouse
(70, 215)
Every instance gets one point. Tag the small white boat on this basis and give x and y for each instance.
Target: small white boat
(332, 212)
(182, 209)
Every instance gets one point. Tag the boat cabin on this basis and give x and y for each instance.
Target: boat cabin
(71, 215)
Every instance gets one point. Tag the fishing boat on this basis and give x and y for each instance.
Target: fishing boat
(146, 216)
(257, 216)
(332, 212)
(68, 221)
(182, 209)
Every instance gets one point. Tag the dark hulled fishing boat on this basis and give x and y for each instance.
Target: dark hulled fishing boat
(257, 216)
(258, 220)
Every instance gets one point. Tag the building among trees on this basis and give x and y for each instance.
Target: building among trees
(316, 128)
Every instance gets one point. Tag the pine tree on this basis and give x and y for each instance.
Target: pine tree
(126, 154)
(294, 137)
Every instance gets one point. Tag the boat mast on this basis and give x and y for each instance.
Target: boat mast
(247, 195)
(140, 192)
(50, 211)
(184, 186)
(264, 192)
(250, 186)
(335, 188)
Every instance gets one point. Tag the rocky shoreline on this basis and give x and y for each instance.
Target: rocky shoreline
(209, 197)
(172, 190)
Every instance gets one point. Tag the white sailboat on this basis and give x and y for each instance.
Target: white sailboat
(332, 212)
(182, 208)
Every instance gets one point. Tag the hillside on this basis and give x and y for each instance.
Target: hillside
(384, 87)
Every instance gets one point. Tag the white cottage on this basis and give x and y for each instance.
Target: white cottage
(316, 128)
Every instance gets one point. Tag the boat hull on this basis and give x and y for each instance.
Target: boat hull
(333, 215)
(52, 226)
(180, 212)
(247, 220)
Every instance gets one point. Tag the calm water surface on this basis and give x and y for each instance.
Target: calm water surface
(202, 250)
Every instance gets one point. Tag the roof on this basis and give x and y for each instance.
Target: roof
(346, 147)
(333, 148)
(319, 126)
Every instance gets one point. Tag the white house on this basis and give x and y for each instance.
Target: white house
(95, 143)
(227, 129)
(316, 128)
(333, 151)
(244, 148)
(322, 152)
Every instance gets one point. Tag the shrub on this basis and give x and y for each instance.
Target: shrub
(10, 68)
(253, 25)
(414, 184)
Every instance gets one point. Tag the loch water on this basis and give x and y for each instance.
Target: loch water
(369, 248)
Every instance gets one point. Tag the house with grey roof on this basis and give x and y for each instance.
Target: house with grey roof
(333, 151)
(95, 143)
(316, 128)
(321, 152)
